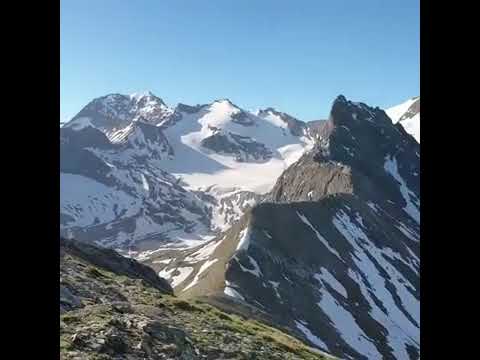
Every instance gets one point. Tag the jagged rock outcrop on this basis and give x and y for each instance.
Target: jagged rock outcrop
(333, 251)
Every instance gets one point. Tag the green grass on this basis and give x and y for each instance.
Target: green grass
(206, 325)
(94, 272)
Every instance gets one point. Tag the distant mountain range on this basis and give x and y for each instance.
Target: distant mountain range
(136, 174)
(211, 161)
(316, 224)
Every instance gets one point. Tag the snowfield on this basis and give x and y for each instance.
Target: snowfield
(201, 167)
(411, 125)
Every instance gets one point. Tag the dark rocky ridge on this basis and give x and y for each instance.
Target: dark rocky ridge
(296, 127)
(350, 158)
(334, 247)
(111, 261)
(243, 148)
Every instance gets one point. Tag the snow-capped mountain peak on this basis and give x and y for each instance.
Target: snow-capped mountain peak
(139, 95)
(114, 112)
(408, 115)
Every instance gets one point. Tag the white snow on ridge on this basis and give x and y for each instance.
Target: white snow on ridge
(165, 261)
(411, 207)
(176, 279)
(396, 337)
(79, 124)
(396, 112)
(204, 252)
(256, 271)
(230, 291)
(411, 125)
(145, 185)
(311, 337)
(408, 232)
(326, 276)
(347, 327)
(89, 201)
(275, 285)
(244, 241)
(201, 167)
(401, 329)
(320, 237)
(204, 267)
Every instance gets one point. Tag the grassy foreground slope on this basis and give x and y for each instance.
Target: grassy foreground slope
(115, 308)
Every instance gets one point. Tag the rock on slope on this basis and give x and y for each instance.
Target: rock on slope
(408, 115)
(115, 308)
(333, 253)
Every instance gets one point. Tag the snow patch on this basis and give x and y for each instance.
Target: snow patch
(326, 277)
(184, 273)
(233, 293)
(244, 241)
(320, 237)
(311, 337)
(256, 268)
(347, 327)
(204, 252)
(411, 207)
(145, 185)
(80, 123)
(204, 267)
(275, 285)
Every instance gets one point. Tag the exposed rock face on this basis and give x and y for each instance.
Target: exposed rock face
(333, 252)
(296, 127)
(227, 204)
(115, 308)
(315, 128)
(114, 191)
(339, 267)
(243, 148)
(357, 143)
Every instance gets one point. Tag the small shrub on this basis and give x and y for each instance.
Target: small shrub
(69, 318)
(92, 271)
(184, 305)
(224, 316)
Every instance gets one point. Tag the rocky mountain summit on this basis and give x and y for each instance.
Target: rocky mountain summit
(115, 308)
(113, 112)
(332, 252)
(137, 175)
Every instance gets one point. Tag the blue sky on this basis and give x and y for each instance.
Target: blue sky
(296, 56)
